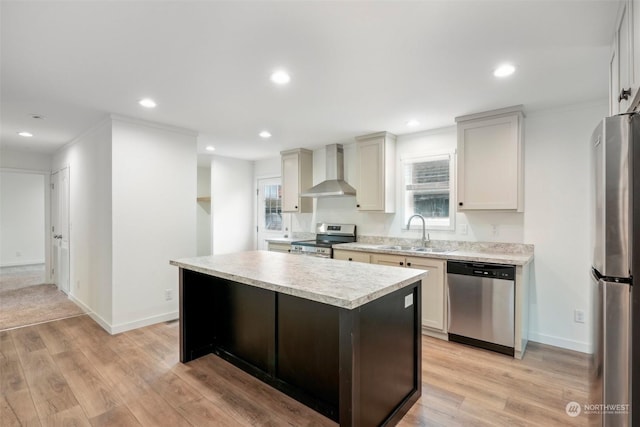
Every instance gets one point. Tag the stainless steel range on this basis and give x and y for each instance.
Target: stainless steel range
(327, 235)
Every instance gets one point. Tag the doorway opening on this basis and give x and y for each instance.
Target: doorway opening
(34, 268)
(23, 229)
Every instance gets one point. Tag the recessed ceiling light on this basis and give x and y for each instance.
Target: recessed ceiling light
(210, 148)
(413, 123)
(504, 70)
(25, 134)
(280, 77)
(147, 103)
(265, 134)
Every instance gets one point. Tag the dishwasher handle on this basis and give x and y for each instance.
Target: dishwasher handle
(493, 271)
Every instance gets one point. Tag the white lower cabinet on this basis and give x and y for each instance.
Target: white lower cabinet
(434, 309)
(433, 292)
(352, 256)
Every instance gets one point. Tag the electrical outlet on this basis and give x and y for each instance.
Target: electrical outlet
(464, 228)
(18, 254)
(495, 230)
(408, 300)
(77, 284)
(168, 295)
(578, 316)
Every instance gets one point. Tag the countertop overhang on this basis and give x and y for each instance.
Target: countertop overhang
(339, 283)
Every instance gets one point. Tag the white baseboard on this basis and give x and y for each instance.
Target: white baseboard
(580, 346)
(23, 262)
(435, 334)
(99, 320)
(80, 303)
(124, 327)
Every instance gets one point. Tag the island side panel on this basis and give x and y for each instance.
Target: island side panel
(245, 325)
(197, 336)
(308, 356)
(232, 320)
(385, 359)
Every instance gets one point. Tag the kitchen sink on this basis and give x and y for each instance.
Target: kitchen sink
(414, 249)
(434, 250)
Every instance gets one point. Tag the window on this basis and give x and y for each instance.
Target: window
(428, 183)
(272, 207)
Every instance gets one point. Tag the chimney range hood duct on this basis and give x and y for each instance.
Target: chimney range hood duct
(334, 185)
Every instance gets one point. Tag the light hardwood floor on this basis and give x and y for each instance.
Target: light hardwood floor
(71, 372)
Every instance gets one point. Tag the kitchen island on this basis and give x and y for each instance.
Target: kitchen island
(342, 338)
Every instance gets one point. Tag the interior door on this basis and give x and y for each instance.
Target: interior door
(269, 215)
(60, 228)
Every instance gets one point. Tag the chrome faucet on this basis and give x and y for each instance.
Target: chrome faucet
(425, 237)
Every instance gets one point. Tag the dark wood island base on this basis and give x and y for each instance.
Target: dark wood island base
(359, 367)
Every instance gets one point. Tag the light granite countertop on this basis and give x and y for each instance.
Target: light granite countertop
(334, 282)
(466, 254)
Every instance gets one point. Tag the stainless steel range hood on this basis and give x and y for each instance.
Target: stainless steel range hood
(334, 185)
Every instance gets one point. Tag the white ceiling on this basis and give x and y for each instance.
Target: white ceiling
(356, 67)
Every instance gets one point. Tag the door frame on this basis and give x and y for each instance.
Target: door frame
(50, 227)
(47, 214)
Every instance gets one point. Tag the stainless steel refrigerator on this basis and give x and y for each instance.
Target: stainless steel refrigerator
(616, 327)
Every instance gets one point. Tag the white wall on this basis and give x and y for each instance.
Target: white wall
(203, 212)
(89, 161)
(267, 168)
(233, 208)
(557, 221)
(25, 160)
(132, 209)
(154, 182)
(22, 218)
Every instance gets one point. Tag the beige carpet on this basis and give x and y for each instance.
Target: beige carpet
(21, 276)
(35, 304)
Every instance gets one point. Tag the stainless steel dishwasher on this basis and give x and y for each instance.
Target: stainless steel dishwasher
(482, 305)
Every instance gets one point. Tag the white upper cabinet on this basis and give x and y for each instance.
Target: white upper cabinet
(490, 161)
(297, 176)
(375, 160)
(624, 64)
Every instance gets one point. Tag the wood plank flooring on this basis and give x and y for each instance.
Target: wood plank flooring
(71, 372)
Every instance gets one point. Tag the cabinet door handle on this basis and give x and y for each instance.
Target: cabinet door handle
(295, 207)
(350, 259)
(401, 263)
(357, 206)
(624, 94)
(460, 204)
(289, 250)
(408, 264)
